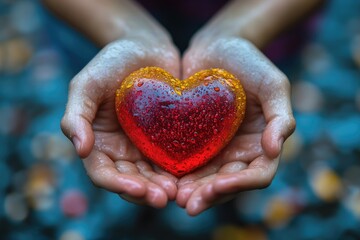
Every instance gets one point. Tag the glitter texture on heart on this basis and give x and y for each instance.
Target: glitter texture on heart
(180, 125)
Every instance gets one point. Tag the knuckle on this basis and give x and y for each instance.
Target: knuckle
(95, 179)
(266, 184)
(111, 46)
(89, 105)
(291, 124)
(64, 125)
(95, 183)
(267, 176)
(73, 84)
(281, 80)
(127, 48)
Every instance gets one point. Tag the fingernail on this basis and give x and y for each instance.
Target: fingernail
(76, 143)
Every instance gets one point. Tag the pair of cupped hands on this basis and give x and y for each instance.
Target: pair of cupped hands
(112, 162)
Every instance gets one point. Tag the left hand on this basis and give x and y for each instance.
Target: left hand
(111, 161)
(251, 159)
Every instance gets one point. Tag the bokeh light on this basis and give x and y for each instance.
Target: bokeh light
(45, 193)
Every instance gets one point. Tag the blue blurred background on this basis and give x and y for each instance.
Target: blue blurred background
(45, 193)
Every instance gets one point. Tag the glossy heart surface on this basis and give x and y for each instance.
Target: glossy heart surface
(180, 125)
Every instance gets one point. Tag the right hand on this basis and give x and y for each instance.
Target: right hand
(251, 158)
(90, 122)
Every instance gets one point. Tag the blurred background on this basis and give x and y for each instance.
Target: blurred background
(45, 193)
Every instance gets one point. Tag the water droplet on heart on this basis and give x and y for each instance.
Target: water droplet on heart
(196, 134)
(217, 89)
(208, 78)
(176, 143)
(139, 93)
(192, 140)
(215, 131)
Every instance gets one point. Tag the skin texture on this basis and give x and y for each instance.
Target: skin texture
(131, 40)
(90, 121)
(111, 161)
(251, 159)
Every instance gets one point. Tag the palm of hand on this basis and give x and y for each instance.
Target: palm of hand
(117, 165)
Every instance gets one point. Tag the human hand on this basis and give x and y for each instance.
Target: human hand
(90, 121)
(251, 158)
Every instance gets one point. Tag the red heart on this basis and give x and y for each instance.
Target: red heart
(180, 124)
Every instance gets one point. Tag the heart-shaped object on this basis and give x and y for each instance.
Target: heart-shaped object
(180, 124)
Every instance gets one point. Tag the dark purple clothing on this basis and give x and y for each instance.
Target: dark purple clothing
(182, 18)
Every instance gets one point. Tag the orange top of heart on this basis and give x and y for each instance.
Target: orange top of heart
(180, 125)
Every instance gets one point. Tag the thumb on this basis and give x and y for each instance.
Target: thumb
(280, 122)
(192, 62)
(76, 123)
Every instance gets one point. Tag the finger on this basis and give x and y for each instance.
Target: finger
(259, 174)
(76, 123)
(138, 201)
(186, 190)
(208, 193)
(165, 182)
(170, 60)
(103, 173)
(212, 197)
(191, 63)
(189, 183)
(154, 195)
(278, 115)
(205, 196)
(196, 204)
